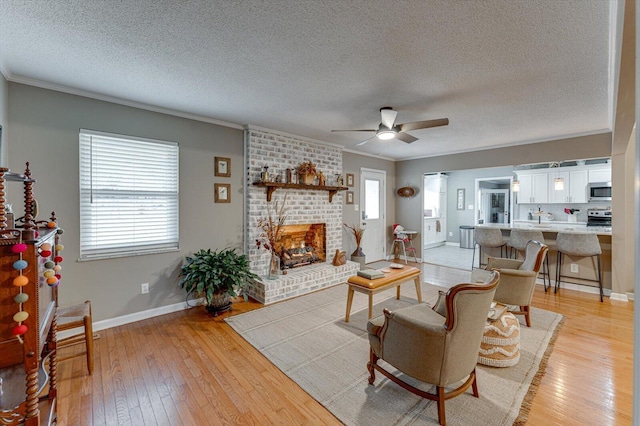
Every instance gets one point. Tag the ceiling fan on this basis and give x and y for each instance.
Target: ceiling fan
(389, 130)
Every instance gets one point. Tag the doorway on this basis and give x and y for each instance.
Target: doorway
(373, 202)
(494, 200)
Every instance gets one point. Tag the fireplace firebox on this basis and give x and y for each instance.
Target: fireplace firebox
(301, 245)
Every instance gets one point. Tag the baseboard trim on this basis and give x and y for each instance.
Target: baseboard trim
(134, 317)
(585, 289)
(619, 296)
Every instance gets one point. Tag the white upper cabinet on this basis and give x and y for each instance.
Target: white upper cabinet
(574, 187)
(600, 174)
(534, 187)
(538, 185)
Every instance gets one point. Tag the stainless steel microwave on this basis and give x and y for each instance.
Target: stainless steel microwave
(599, 191)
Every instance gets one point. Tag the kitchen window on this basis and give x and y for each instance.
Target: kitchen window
(128, 195)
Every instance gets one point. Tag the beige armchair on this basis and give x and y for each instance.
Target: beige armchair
(517, 278)
(437, 346)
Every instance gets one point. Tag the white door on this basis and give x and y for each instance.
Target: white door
(372, 202)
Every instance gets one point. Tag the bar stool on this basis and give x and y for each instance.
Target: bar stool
(75, 317)
(488, 238)
(518, 241)
(578, 245)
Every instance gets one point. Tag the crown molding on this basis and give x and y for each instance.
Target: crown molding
(119, 101)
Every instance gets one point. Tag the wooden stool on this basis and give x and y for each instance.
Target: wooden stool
(74, 317)
(371, 287)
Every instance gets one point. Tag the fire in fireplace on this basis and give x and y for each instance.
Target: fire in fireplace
(302, 245)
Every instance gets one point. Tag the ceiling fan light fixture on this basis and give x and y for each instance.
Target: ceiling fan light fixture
(385, 135)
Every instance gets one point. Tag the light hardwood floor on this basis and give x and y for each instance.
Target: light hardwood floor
(187, 368)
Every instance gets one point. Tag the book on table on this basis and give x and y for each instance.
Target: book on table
(370, 274)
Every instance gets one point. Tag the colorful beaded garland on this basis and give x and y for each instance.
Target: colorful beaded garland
(20, 281)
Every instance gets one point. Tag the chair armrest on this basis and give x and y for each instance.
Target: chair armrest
(441, 304)
(502, 263)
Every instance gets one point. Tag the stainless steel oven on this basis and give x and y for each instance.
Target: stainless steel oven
(599, 191)
(599, 217)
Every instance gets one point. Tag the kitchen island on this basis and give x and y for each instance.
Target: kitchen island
(586, 267)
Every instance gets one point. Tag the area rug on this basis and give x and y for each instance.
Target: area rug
(309, 341)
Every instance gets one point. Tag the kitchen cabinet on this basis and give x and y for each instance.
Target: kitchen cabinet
(600, 174)
(434, 232)
(534, 187)
(575, 186)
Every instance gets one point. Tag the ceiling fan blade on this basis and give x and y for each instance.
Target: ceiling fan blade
(365, 141)
(406, 127)
(388, 117)
(358, 130)
(405, 137)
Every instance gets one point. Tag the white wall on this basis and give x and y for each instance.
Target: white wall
(44, 131)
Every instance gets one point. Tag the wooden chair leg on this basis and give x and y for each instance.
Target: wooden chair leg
(441, 416)
(474, 384)
(370, 305)
(373, 359)
(88, 335)
(527, 314)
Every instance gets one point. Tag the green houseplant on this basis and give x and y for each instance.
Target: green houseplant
(216, 275)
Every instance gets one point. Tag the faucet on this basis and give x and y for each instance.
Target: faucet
(539, 214)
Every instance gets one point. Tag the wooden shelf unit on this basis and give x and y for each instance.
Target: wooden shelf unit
(29, 389)
(272, 186)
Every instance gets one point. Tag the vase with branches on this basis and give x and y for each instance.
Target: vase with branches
(270, 233)
(357, 232)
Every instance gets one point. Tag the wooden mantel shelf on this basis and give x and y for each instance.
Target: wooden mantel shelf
(272, 186)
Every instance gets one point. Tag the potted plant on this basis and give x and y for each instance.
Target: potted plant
(307, 172)
(216, 275)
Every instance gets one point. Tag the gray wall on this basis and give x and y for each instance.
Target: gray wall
(593, 146)
(466, 179)
(352, 163)
(4, 107)
(44, 130)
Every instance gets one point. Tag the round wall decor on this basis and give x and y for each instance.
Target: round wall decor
(406, 191)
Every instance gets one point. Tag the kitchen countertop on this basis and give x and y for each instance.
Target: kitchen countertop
(552, 226)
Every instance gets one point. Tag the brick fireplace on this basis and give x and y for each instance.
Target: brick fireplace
(304, 207)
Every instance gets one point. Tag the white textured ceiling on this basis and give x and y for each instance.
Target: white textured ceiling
(504, 72)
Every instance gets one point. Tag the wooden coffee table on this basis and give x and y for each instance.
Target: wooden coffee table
(393, 278)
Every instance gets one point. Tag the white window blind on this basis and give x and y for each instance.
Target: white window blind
(128, 195)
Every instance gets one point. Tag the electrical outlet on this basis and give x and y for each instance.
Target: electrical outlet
(574, 268)
(144, 288)
(451, 234)
(356, 207)
(470, 206)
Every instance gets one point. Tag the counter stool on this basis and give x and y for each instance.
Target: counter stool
(578, 245)
(488, 238)
(518, 241)
(74, 317)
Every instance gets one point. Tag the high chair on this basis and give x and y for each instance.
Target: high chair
(400, 238)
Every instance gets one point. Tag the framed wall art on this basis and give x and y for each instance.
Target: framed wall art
(349, 179)
(460, 198)
(222, 192)
(349, 196)
(223, 167)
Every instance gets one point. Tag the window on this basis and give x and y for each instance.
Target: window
(128, 195)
